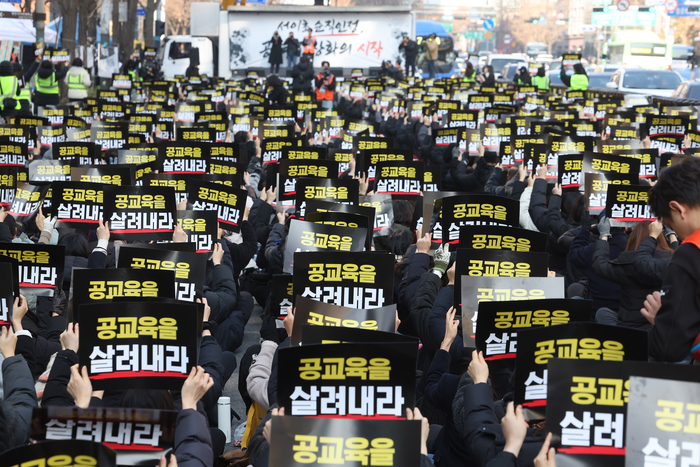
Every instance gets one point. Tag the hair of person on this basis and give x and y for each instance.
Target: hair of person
(147, 399)
(403, 213)
(76, 245)
(680, 183)
(46, 64)
(77, 62)
(540, 71)
(11, 224)
(325, 62)
(240, 137)
(399, 241)
(579, 69)
(640, 232)
(491, 157)
(512, 172)
(489, 68)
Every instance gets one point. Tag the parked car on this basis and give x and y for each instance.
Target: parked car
(687, 90)
(649, 82)
(598, 80)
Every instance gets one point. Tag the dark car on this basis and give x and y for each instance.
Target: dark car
(598, 80)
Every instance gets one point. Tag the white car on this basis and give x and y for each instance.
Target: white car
(499, 61)
(660, 83)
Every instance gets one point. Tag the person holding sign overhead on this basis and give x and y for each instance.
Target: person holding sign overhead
(578, 81)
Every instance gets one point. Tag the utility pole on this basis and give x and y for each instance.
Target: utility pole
(39, 20)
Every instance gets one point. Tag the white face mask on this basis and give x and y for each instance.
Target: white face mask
(486, 74)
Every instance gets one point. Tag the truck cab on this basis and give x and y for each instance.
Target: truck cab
(175, 55)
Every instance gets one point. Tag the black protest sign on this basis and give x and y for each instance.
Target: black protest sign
(596, 188)
(177, 182)
(667, 144)
(383, 213)
(349, 379)
(140, 212)
(148, 345)
(399, 178)
(458, 211)
(560, 145)
(609, 147)
(443, 137)
(28, 198)
(217, 121)
(107, 174)
(104, 285)
(81, 153)
(570, 171)
(608, 163)
(627, 205)
(40, 266)
(271, 148)
(49, 135)
(317, 313)
(570, 59)
(6, 292)
(355, 280)
(231, 170)
(480, 237)
(343, 215)
(77, 205)
(479, 101)
(130, 432)
(195, 135)
(228, 202)
(311, 334)
(49, 170)
(589, 400)
(345, 191)
(291, 169)
(8, 185)
(18, 134)
(282, 295)
(622, 133)
(318, 441)
(463, 119)
(201, 228)
(189, 268)
(136, 156)
(432, 178)
(78, 135)
(183, 157)
(534, 155)
(647, 160)
(498, 324)
(373, 156)
(64, 452)
(14, 274)
(302, 153)
(229, 152)
(112, 111)
(662, 125)
(342, 157)
(502, 289)
(309, 236)
(572, 341)
(13, 154)
(109, 135)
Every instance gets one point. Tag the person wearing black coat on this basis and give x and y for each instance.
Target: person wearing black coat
(292, 50)
(275, 53)
(410, 49)
(303, 76)
(513, 188)
(278, 94)
(622, 271)
(475, 181)
(44, 70)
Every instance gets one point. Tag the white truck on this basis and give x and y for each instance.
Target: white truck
(234, 40)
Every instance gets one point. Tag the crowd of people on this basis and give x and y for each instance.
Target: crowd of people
(643, 276)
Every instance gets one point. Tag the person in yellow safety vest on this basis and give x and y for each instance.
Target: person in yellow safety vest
(541, 80)
(78, 81)
(25, 93)
(9, 90)
(45, 83)
(309, 44)
(578, 81)
(469, 74)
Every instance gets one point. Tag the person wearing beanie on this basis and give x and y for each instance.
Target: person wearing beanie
(25, 94)
(46, 83)
(578, 81)
(541, 80)
(78, 81)
(9, 90)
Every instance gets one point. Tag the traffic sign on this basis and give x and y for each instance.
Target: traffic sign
(488, 35)
(623, 5)
(140, 12)
(507, 39)
(488, 24)
(671, 5)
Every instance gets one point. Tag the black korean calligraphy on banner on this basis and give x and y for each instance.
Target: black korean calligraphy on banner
(40, 266)
(13, 154)
(315, 313)
(310, 236)
(360, 381)
(107, 174)
(571, 341)
(570, 172)
(281, 297)
(291, 169)
(65, 451)
(320, 441)
(104, 285)
(109, 135)
(228, 202)
(399, 178)
(189, 267)
(148, 345)
(588, 402)
(201, 228)
(177, 182)
(481, 237)
(453, 212)
(502, 289)
(498, 324)
(49, 170)
(183, 157)
(140, 212)
(311, 334)
(596, 189)
(354, 280)
(28, 198)
(6, 292)
(345, 191)
(136, 435)
(77, 205)
(625, 206)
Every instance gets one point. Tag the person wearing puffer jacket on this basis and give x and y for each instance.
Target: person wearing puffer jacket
(46, 83)
(259, 374)
(513, 188)
(475, 181)
(78, 80)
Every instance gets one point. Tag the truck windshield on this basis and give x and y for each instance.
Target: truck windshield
(179, 50)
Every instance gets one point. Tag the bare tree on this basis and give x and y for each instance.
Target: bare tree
(177, 13)
(686, 29)
(150, 8)
(519, 22)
